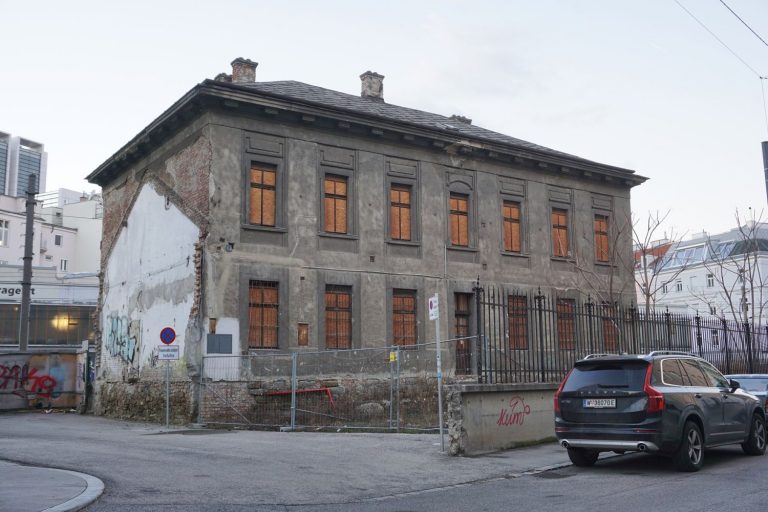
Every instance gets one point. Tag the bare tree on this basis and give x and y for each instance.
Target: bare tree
(651, 268)
(734, 266)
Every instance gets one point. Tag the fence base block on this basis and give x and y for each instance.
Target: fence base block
(484, 418)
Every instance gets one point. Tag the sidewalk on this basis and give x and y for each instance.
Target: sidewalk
(37, 489)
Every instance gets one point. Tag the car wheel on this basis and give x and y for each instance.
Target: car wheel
(755, 443)
(690, 455)
(582, 456)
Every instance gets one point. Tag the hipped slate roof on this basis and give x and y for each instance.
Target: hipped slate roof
(305, 96)
(339, 100)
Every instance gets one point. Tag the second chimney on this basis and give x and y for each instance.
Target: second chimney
(243, 70)
(372, 86)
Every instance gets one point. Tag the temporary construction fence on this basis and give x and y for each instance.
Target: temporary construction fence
(388, 388)
(531, 337)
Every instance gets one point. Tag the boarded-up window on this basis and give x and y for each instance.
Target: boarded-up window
(303, 334)
(511, 215)
(459, 215)
(461, 326)
(404, 317)
(566, 323)
(338, 317)
(335, 195)
(400, 212)
(601, 238)
(559, 232)
(610, 329)
(261, 205)
(518, 321)
(263, 306)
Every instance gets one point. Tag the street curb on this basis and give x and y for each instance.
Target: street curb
(94, 488)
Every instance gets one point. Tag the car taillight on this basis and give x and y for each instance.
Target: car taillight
(559, 390)
(655, 397)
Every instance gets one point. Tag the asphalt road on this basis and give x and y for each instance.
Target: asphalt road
(145, 469)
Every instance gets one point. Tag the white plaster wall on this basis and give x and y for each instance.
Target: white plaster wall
(149, 285)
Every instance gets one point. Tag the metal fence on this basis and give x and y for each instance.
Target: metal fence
(531, 337)
(388, 388)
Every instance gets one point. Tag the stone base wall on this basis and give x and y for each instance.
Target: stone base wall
(484, 418)
(145, 401)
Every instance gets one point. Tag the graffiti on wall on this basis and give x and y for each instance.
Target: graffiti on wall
(41, 380)
(515, 414)
(122, 337)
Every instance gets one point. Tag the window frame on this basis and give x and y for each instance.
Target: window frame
(458, 214)
(338, 290)
(602, 235)
(250, 159)
(462, 183)
(255, 165)
(566, 228)
(506, 202)
(5, 232)
(263, 284)
(63, 263)
(393, 186)
(404, 293)
(514, 317)
(58, 238)
(566, 323)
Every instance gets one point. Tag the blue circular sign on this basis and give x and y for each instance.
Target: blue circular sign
(167, 335)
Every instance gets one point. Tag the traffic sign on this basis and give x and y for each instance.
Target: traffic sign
(167, 353)
(434, 308)
(167, 335)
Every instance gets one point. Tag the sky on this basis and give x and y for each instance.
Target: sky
(637, 84)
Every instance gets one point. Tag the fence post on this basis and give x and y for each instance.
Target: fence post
(698, 333)
(475, 359)
(391, 387)
(397, 385)
(727, 348)
(590, 327)
(668, 320)
(632, 328)
(539, 299)
(748, 340)
(200, 398)
(294, 385)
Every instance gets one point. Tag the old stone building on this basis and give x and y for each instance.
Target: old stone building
(281, 215)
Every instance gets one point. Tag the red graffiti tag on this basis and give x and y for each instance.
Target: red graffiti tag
(24, 379)
(516, 413)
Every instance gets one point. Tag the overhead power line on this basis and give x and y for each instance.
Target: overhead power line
(760, 76)
(743, 22)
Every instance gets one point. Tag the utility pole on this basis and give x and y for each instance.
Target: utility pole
(26, 280)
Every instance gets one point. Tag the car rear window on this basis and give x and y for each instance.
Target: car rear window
(628, 376)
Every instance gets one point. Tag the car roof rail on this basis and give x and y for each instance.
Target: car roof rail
(595, 356)
(670, 353)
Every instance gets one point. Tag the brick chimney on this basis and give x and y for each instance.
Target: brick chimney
(243, 71)
(372, 86)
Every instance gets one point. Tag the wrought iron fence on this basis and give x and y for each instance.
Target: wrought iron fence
(531, 337)
(386, 388)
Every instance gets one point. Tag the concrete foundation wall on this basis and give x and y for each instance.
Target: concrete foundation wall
(488, 418)
(42, 380)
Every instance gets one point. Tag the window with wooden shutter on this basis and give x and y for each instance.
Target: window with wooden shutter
(459, 219)
(404, 317)
(338, 317)
(517, 310)
(566, 323)
(560, 232)
(462, 315)
(335, 193)
(511, 214)
(263, 307)
(263, 194)
(601, 238)
(400, 212)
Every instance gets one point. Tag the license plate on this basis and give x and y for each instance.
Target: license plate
(599, 403)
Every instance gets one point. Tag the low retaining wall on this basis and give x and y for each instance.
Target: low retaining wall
(43, 379)
(484, 418)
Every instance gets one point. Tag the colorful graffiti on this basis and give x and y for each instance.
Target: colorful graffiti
(41, 380)
(516, 413)
(122, 337)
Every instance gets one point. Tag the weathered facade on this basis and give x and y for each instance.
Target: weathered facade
(266, 211)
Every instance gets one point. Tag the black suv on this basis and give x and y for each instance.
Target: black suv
(667, 402)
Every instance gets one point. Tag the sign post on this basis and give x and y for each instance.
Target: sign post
(167, 353)
(434, 314)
